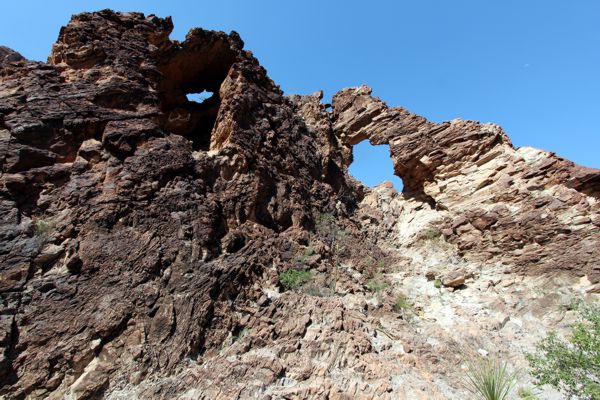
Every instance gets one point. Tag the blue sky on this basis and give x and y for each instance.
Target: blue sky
(531, 66)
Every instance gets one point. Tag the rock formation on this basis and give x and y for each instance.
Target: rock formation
(523, 207)
(143, 234)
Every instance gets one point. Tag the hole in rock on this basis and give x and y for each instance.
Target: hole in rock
(194, 118)
(192, 76)
(373, 165)
(199, 97)
(203, 108)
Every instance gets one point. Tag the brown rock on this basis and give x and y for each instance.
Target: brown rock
(48, 254)
(454, 278)
(484, 221)
(174, 219)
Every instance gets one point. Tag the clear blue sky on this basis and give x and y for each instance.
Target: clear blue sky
(532, 66)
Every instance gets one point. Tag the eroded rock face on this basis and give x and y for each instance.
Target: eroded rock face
(121, 199)
(142, 234)
(526, 208)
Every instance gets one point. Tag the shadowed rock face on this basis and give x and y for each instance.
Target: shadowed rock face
(139, 230)
(159, 212)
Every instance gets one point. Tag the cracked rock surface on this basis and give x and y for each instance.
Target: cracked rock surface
(143, 235)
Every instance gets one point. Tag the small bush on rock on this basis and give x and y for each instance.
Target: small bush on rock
(294, 278)
(432, 233)
(377, 284)
(573, 365)
(403, 305)
(41, 228)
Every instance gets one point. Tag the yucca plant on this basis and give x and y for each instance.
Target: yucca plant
(489, 378)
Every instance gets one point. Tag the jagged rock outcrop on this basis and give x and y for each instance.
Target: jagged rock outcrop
(142, 234)
(8, 55)
(524, 207)
(121, 202)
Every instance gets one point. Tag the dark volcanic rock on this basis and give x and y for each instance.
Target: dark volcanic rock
(105, 158)
(8, 55)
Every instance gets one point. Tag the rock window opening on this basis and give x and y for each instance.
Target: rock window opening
(373, 165)
(191, 78)
(203, 108)
(194, 117)
(199, 97)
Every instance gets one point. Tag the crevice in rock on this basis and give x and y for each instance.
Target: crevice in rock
(173, 327)
(8, 375)
(198, 347)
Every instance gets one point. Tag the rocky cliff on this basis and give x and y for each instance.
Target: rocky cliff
(144, 236)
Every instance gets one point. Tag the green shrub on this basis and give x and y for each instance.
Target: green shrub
(489, 378)
(293, 278)
(573, 365)
(377, 284)
(41, 228)
(402, 305)
(432, 233)
(437, 283)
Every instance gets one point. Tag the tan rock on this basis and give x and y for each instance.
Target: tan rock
(454, 278)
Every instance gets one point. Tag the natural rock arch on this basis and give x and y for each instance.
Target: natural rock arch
(372, 165)
(421, 149)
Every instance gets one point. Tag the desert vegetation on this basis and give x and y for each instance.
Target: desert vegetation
(432, 233)
(377, 284)
(293, 278)
(489, 378)
(572, 364)
(41, 227)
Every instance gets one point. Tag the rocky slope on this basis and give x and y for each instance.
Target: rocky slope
(143, 235)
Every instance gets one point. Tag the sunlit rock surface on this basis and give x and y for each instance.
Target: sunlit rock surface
(142, 235)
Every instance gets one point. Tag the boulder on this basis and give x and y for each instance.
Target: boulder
(454, 278)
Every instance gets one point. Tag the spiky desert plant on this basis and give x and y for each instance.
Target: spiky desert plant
(489, 378)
